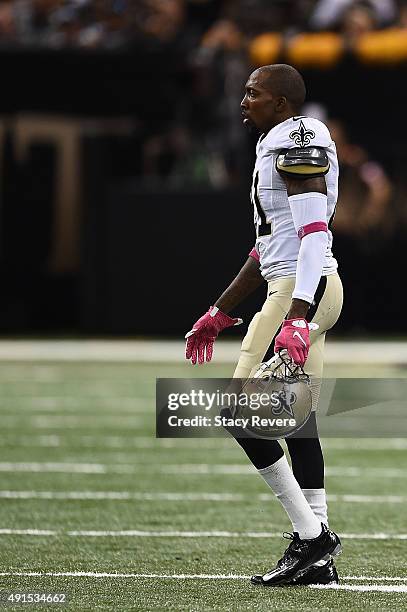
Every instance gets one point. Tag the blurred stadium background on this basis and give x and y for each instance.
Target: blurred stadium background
(120, 130)
(120, 142)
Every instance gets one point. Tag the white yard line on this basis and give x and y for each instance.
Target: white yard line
(193, 469)
(364, 588)
(79, 420)
(368, 499)
(357, 472)
(225, 534)
(377, 578)
(153, 351)
(186, 497)
(241, 469)
(392, 588)
(149, 442)
(144, 442)
(45, 441)
(125, 495)
(39, 400)
(136, 533)
(365, 444)
(118, 441)
(81, 468)
(78, 410)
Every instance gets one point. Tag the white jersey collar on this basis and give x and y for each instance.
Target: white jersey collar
(275, 132)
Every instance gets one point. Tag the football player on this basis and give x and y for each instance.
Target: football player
(294, 193)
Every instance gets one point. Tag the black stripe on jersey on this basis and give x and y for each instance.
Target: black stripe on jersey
(331, 218)
(264, 228)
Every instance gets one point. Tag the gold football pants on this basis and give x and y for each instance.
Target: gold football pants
(265, 325)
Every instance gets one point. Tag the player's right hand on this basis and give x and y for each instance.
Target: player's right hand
(201, 337)
(294, 338)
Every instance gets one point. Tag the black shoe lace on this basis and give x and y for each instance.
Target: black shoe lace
(293, 549)
(294, 537)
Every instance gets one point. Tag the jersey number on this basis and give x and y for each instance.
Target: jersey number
(263, 228)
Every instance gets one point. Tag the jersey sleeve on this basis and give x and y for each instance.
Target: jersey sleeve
(299, 132)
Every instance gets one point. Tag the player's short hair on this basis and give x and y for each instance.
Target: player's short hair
(285, 80)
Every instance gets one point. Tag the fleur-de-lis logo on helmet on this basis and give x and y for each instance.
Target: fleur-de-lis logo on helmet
(287, 399)
(302, 137)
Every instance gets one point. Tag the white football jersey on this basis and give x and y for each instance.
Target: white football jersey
(277, 241)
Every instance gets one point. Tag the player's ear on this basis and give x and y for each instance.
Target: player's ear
(281, 103)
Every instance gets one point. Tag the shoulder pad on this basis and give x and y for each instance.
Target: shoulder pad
(303, 162)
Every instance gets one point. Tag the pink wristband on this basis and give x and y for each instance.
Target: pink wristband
(253, 253)
(317, 226)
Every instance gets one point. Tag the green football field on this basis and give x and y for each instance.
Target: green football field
(95, 507)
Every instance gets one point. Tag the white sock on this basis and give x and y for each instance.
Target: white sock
(281, 480)
(317, 501)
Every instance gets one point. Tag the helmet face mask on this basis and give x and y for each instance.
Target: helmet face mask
(281, 367)
(279, 399)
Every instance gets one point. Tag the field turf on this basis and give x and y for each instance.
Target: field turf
(92, 505)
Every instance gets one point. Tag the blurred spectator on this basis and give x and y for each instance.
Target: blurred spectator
(88, 23)
(365, 192)
(111, 23)
(221, 66)
(402, 16)
(7, 21)
(204, 143)
(165, 19)
(223, 35)
(328, 14)
(362, 226)
(358, 19)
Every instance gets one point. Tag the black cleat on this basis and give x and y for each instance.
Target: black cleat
(316, 574)
(322, 574)
(299, 556)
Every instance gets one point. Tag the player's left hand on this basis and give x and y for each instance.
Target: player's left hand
(200, 339)
(294, 337)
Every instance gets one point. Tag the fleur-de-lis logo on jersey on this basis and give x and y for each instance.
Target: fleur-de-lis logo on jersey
(302, 137)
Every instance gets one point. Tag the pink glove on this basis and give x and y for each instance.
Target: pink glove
(294, 337)
(204, 333)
